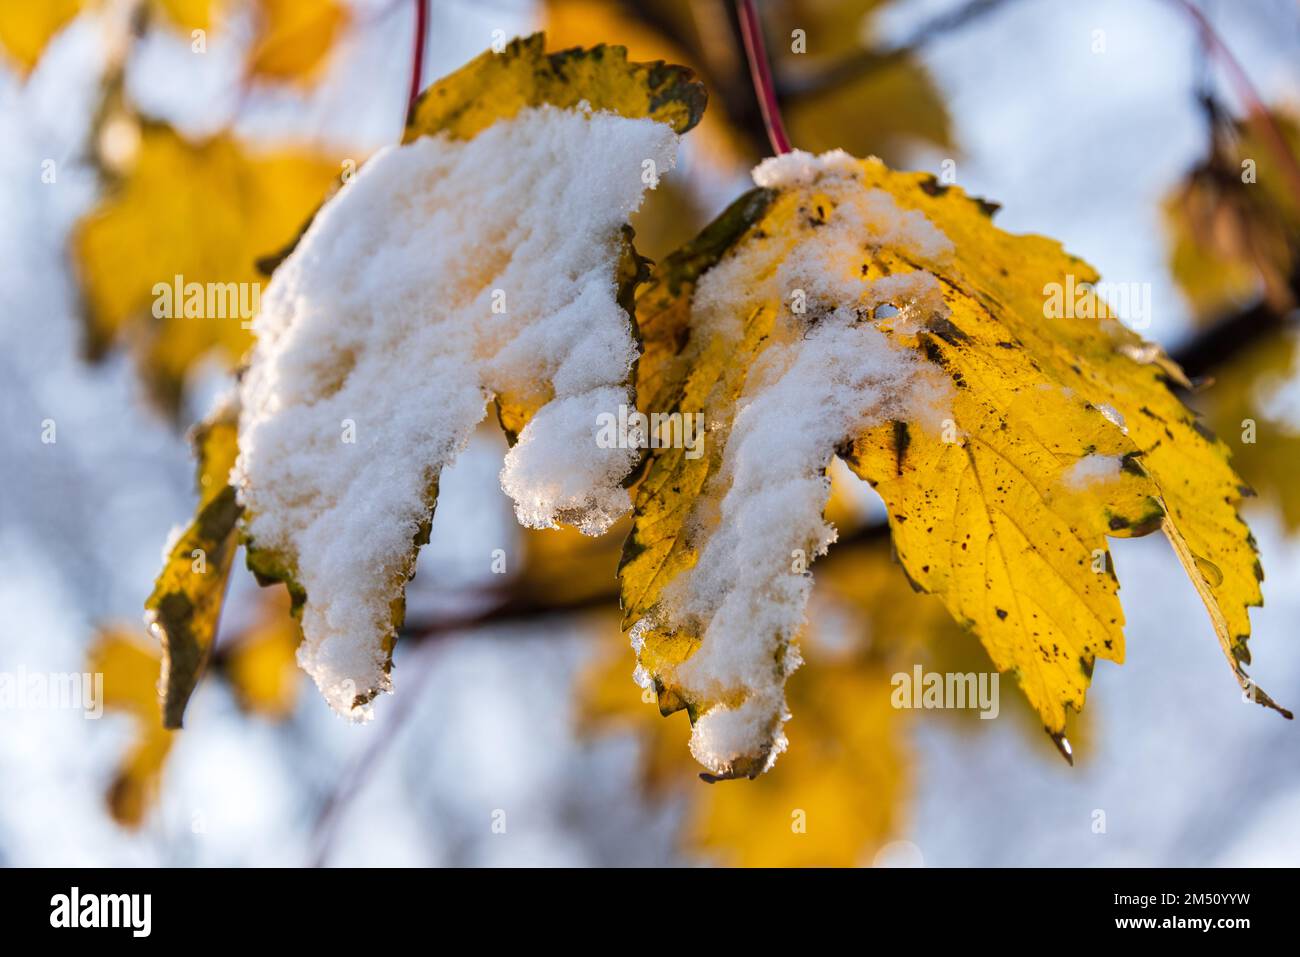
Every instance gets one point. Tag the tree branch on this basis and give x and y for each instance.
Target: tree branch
(869, 61)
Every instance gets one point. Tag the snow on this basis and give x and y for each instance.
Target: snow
(825, 376)
(371, 371)
(1092, 469)
(1114, 416)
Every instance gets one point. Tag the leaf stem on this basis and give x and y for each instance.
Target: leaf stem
(751, 30)
(417, 57)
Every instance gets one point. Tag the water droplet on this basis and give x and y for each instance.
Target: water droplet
(1213, 574)
(1063, 745)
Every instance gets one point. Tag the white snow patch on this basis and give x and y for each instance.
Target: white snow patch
(1114, 416)
(1092, 469)
(381, 326)
(827, 374)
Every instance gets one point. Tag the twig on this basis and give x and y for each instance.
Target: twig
(761, 73)
(360, 771)
(868, 61)
(1234, 334)
(417, 58)
(1257, 111)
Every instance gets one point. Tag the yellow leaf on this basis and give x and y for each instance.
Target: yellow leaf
(294, 38)
(840, 792)
(672, 215)
(883, 113)
(496, 86)
(1103, 361)
(261, 665)
(1058, 429)
(26, 27)
(1234, 224)
(1265, 447)
(187, 14)
(492, 87)
(130, 669)
(167, 259)
(882, 109)
(670, 377)
(185, 606)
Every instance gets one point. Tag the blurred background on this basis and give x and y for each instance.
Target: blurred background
(148, 138)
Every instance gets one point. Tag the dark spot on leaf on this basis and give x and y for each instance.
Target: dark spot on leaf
(931, 186)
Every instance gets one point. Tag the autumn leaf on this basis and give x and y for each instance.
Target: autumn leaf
(889, 104)
(1234, 223)
(167, 258)
(261, 665)
(294, 38)
(718, 151)
(129, 666)
(460, 108)
(185, 607)
(841, 791)
(26, 28)
(1118, 372)
(1008, 438)
(1246, 405)
(188, 15)
(887, 111)
(496, 86)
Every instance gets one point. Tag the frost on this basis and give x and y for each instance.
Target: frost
(1091, 469)
(1114, 416)
(444, 274)
(827, 374)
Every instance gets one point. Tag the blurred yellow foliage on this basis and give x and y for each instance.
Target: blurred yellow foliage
(1246, 406)
(130, 666)
(294, 37)
(167, 258)
(841, 789)
(261, 665)
(1234, 224)
(27, 26)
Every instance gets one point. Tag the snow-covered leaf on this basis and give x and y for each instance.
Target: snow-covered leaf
(487, 258)
(495, 86)
(846, 308)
